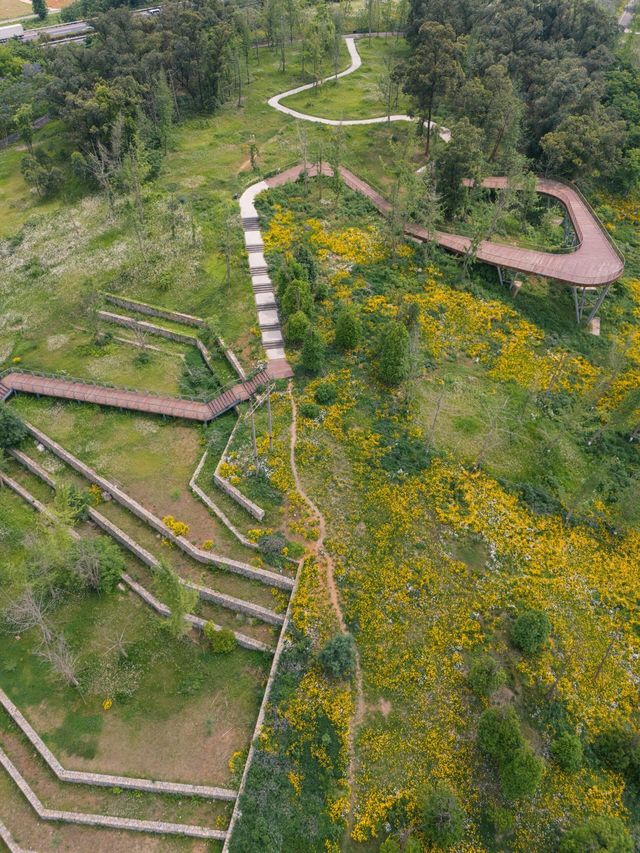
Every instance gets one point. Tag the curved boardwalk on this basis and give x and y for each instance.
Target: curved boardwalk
(356, 62)
(596, 262)
(137, 401)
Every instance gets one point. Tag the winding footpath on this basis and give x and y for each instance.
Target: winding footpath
(319, 551)
(356, 62)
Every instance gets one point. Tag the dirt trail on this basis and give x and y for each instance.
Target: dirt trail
(318, 549)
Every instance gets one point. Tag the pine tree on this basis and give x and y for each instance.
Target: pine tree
(40, 8)
(312, 359)
(348, 329)
(393, 348)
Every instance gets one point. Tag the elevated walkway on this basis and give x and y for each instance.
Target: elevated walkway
(102, 395)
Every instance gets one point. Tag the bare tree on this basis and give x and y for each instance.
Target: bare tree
(29, 611)
(62, 659)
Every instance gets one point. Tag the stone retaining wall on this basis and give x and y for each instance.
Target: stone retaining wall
(10, 842)
(253, 509)
(33, 502)
(267, 577)
(215, 509)
(153, 826)
(153, 311)
(206, 594)
(229, 601)
(176, 316)
(105, 780)
(263, 709)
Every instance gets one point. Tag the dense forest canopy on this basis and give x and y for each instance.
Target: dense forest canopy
(543, 75)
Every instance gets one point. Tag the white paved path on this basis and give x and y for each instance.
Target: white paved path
(356, 62)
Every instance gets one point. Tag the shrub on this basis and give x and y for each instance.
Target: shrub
(441, 817)
(338, 657)
(312, 359)
(310, 411)
(598, 833)
(12, 431)
(393, 354)
(175, 526)
(272, 546)
(221, 641)
(499, 734)
(348, 329)
(521, 775)
(566, 750)
(614, 748)
(296, 327)
(297, 297)
(98, 563)
(530, 631)
(326, 394)
(390, 845)
(486, 675)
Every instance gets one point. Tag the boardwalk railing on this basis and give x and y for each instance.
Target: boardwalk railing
(233, 383)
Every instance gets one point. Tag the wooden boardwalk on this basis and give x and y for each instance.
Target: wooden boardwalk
(137, 401)
(595, 262)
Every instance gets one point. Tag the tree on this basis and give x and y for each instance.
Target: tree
(566, 750)
(521, 774)
(441, 817)
(486, 675)
(12, 431)
(602, 833)
(338, 657)
(98, 563)
(459, 163)
(179, 598)
(584, 144)
(432, 71)
(39, 172)
(221, 641)
(312, 359)
(296, 327)
(499, 734)
(393, 353)
(297, 297)
(348, 328)
(40, 8)
(530, 631)
(23, 123)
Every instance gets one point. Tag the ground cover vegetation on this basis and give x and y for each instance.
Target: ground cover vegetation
(481, 501)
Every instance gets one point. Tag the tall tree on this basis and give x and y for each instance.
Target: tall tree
(432, 71)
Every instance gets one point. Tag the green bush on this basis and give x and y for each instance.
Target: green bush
(441, 817)
(312, 359)
(566, 750)
(338, 657)
(326, 394)
(296, 327)
(310, 410)
(12, 431)
(221, 641)
(521, 775)
(297, 297)
(98, 563)
(486, 675)
(530, 631)
(614, 748)
(348, 329)
(499, 734)
(602, 833)
(393, 353)
(390, 845)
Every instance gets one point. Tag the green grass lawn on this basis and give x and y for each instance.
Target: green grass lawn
(358, 95)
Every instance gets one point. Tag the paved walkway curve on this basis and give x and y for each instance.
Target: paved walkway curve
(356, 62)
(595, 262)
